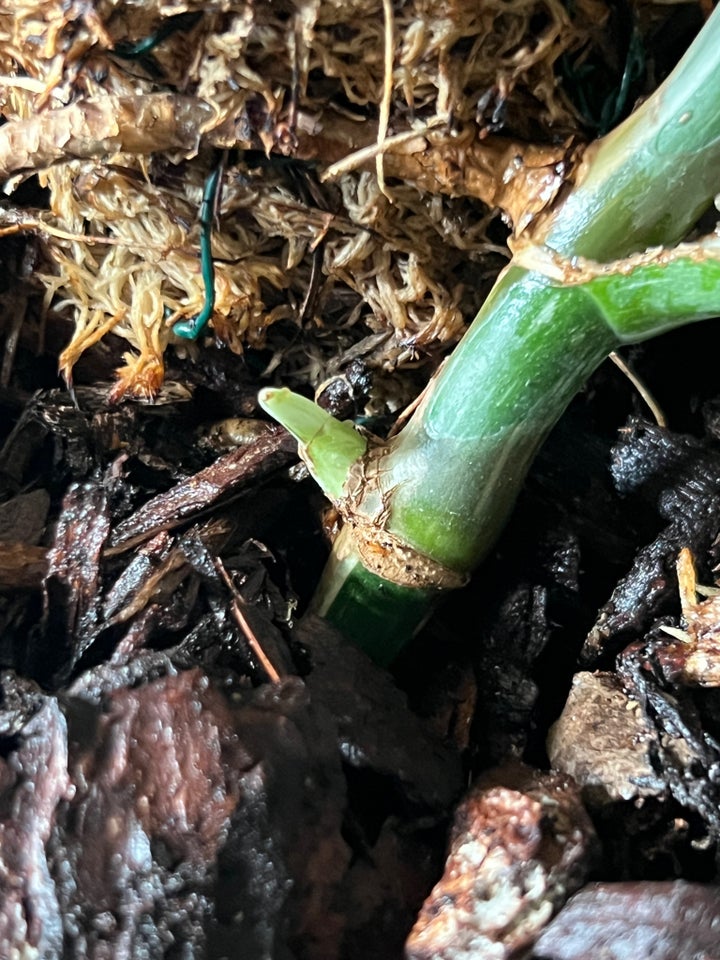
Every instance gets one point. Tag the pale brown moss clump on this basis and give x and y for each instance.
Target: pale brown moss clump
(323, 245)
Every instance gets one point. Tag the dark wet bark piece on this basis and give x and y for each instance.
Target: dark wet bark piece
(23, 443)
(685, 754)
(507, 691)
(160, 765)
(151, 591)
(521, 841)
(156, 569)
(630, 921)
(70, 430)
(226, 476)
(288, 832)
(73, 577)
(20, 700)
(134, 577)
(209, 817)
(376, 730)
(283, 817)
(449, 702)
(244, 619)
(33, 781)
(604, 741)
(682, 477)
(384, 889)
(22, 521)
(197, 818)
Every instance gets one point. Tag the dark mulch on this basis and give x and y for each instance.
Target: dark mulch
(191, 767)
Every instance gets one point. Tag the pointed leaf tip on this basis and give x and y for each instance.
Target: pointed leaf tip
(328, 446)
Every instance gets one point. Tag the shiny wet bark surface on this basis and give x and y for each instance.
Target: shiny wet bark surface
(190, 764)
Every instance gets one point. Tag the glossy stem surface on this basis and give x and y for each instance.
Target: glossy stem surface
(449, 479)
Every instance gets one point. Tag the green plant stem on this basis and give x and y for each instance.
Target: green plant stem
(451, 477)
(448, 481)
(443, 487)
(391, 612)
(675, 288)
(648, 181)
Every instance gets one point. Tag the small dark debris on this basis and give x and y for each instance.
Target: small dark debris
(681, 476)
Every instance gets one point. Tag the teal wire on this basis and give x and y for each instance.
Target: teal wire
(140, 49)
(191, 329)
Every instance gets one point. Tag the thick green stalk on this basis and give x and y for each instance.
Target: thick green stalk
(448, 481)
(660, 292)
(438, 493)
(391, 612)
(649, 180)
(445, 485)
